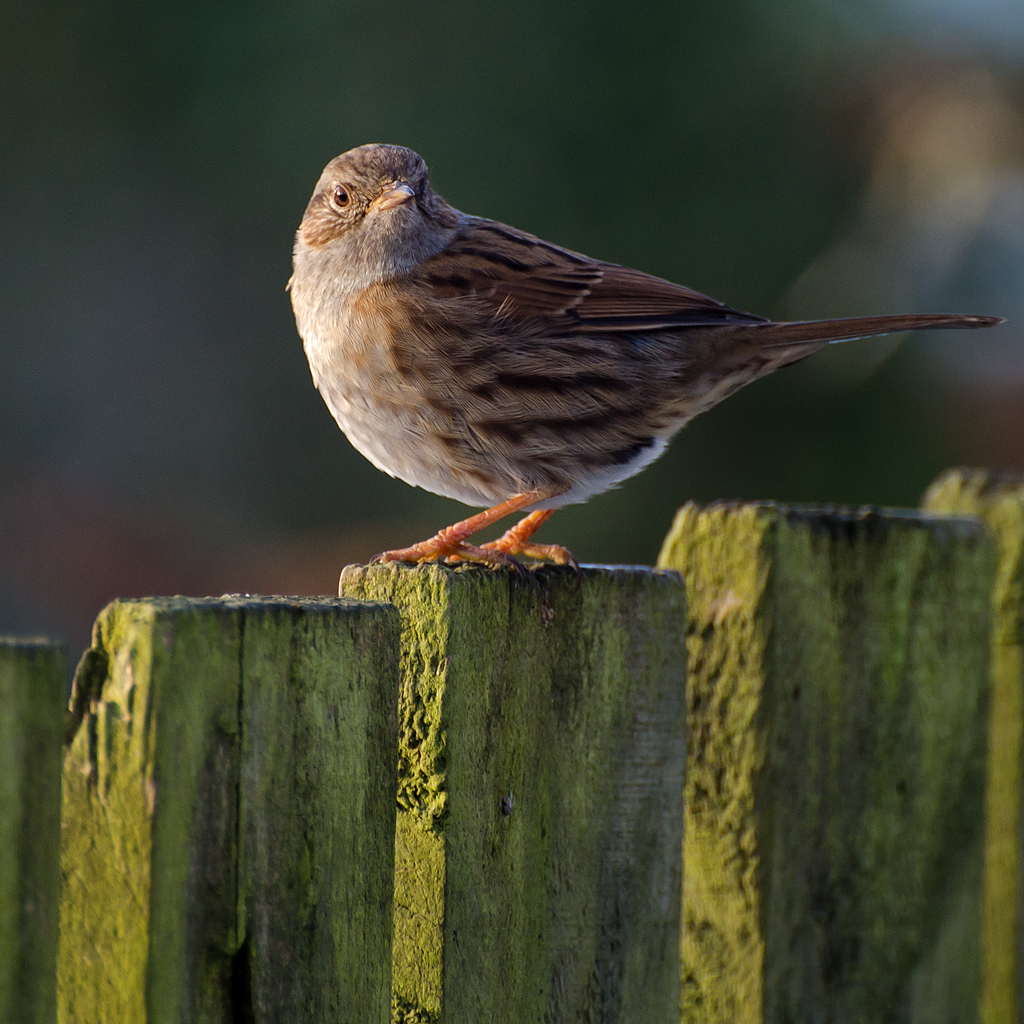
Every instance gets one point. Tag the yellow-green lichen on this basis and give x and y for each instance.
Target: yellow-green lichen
(723, 553)
(229, 814)
(422, 598)
(998, 500)
(419, 918)
(106, 839)
(837, 695)
(553, 881)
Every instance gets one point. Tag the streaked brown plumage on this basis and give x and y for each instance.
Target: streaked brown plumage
(485, 364)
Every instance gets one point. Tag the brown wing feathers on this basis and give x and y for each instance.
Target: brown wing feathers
(528, 277)
(590, 309)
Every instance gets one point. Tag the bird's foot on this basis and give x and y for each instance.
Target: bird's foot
(451, 550)
(540, 552)
(451, 543)
(516, 541)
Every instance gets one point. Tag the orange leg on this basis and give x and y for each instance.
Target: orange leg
(516, 541)
(452, 540)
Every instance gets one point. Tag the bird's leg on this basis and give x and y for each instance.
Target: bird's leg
(516, 541)
(452, 540)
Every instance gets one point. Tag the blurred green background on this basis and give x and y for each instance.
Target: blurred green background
(159, 431)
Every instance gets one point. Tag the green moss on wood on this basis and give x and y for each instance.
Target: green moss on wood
(318, 777)
(724, 555)
(998, 499)
(540, 768)
(422, 754)
(228, 814)
(148, 823)
(419, 920)
(32, 675)
(837, 696)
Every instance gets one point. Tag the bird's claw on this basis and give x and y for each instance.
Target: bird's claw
(575, 566)
(486, 556)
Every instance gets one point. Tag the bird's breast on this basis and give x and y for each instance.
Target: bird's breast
(365, 370)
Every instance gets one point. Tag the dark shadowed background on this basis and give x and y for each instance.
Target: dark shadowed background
(159, 431)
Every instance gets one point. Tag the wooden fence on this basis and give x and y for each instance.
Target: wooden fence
(451, 796)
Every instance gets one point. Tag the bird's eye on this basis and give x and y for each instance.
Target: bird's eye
(340, 196)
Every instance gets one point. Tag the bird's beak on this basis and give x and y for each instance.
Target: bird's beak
(398, 193)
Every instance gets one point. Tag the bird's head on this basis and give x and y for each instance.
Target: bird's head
(375, 213)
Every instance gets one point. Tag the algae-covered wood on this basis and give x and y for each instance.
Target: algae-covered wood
(319, 761)
(541, 759)
(219, 818)
(837, 701)
(998, 500)
(32, 679)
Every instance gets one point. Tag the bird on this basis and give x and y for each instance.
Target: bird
(483, 363)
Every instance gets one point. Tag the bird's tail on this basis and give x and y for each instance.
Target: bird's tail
(740, 353)
(781, 344)
(827, 332)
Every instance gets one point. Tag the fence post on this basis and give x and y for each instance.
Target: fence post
(228, 814)
(32, 680)
(998, 500)
(541, 759)
(837, 700)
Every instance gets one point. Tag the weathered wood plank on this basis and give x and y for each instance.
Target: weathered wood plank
(149, 820)
(184, 874)
(541, 758)
(837, 701)
(32, 679)
(319, 765)
(998, 499)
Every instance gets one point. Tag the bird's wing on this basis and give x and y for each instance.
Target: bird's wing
(523, 277)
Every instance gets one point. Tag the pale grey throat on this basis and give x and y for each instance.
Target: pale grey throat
(368, 256)
(322, 298)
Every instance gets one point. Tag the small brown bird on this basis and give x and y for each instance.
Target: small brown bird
(480, 362)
